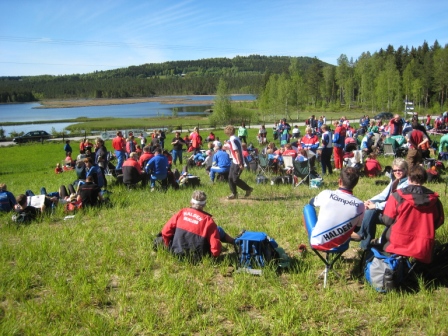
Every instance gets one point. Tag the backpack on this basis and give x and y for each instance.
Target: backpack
(21, 218)
(255, 250)
(385, 273)
(437, 270)
(287, 179)
(261, 179)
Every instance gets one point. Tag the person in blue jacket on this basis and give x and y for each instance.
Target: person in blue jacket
(157, 168)
(7, 199)
(221, 162)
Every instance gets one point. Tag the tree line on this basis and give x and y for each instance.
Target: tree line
(286, 85)
(374, 82)
(243, 75)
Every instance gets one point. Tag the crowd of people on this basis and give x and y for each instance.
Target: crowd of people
(399, 207)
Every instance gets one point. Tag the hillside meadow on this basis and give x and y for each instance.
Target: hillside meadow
(97, 274)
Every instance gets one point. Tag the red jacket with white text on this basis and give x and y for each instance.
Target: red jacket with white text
(192, 231)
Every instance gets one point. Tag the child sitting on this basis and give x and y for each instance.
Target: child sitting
(372, 167)
(58, 168)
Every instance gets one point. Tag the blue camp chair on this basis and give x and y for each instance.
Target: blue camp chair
(331, 256)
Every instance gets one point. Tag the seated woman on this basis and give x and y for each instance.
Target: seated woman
(372, 167)
(211, 137)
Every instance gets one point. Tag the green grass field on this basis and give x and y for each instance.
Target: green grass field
(97, 274)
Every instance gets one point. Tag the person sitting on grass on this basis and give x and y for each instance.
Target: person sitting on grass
(157, 168)
(221, 163)
(7, 199)
(145, 157)
(192, 232)
(69, 162)
(58, 169)
(95, 172)
(89, 193)
(372, 167)
(132, 172)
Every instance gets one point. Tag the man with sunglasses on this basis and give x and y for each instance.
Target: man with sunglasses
(375, 206)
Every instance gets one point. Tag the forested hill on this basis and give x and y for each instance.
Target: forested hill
(244, 74)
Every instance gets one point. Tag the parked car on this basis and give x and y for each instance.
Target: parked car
(384, 115)
(32, 136)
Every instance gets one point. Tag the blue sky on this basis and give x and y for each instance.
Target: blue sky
(69, 37)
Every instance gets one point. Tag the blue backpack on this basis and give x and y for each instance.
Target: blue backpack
(255, 250)
(385, 273)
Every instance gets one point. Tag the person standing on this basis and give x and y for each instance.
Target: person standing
(119, 144)
(416, 140)
(242, 133)
(177, 152)
(327, 150)
(67, 148)
(196, 141)
(338, 144)
(237, 166)
(396, 125)
(101, 157)
(142, 140)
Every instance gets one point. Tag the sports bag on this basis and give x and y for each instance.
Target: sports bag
(385, 273)
(255, 250)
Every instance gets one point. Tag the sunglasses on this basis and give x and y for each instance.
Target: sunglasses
(397, 170)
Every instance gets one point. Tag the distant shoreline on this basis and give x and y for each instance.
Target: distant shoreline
(49, 104)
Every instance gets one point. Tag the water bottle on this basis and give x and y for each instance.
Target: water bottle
(389, 280)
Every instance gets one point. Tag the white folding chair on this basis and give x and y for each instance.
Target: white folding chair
(388, 149)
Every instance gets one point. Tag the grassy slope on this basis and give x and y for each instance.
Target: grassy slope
(97, 273)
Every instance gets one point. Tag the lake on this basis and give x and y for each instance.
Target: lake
(29, 112)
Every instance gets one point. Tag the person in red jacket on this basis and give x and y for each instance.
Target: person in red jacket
(372, 167)
(412, 215)
(119, 144)
(132, 171)
(192, 232)
(145, 157)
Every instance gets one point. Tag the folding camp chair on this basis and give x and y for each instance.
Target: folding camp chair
(302, 171)
(388, 149)
(287, 162)
(264, 165)
(331, 256)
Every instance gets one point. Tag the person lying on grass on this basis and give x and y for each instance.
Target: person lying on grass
(192, 232)
(25, 213)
